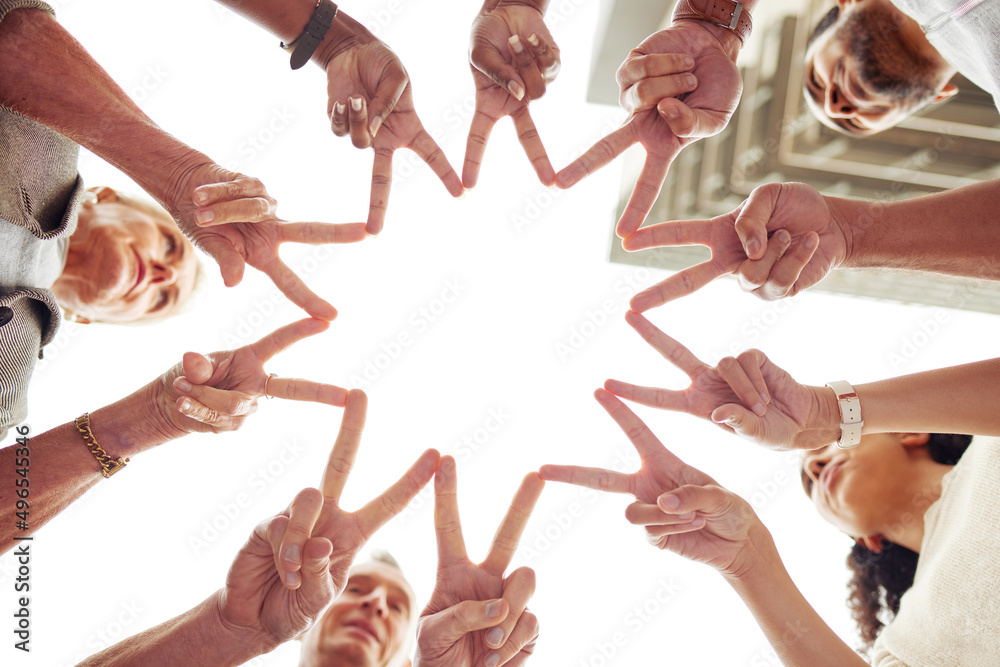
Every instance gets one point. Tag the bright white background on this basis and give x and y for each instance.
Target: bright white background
(141, 548)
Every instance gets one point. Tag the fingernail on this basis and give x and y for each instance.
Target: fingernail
(765, 398)
(810, 242)
(670, 502)
(493, 660)
(292, 578)
(687, 516)
(186, 406)
(515, 43)
(373, 128)
(493, 609)
(516, 90)
(753, 245)
(339, 107)
(687, 61)
(494, 636)
(292, 554)
(356, 103)
(200, 197)
(758, 409)
(783, 236)
(698, 523)
(533, 39)
(672, 113)
(690, 80)
(181, 384)
(205, 216)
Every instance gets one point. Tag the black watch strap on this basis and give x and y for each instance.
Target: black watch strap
(312, 35)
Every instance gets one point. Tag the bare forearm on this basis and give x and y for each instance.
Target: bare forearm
(195, 638)
(953, 232)
(793, 628)
(958, 399)
(49, 77)
(60, 468)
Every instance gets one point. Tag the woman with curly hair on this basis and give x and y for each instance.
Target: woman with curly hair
(922, 508)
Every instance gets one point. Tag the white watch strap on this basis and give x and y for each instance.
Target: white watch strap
(851, 422)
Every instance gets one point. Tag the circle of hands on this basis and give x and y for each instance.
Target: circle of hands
(679, 85)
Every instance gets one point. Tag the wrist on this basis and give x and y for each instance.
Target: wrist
(756, 559)
(343, 34)
(728, 41)
(250, 642)
(135, 423)
(856, 219)
(824, 426)
(539, 5)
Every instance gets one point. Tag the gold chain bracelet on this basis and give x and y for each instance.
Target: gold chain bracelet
(109, 466)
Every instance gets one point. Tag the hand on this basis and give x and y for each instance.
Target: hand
(684, 510)
(782, 239)
(505, 34)
(469, 598)
(232, 218)
(782, 414)
(371, 100)
(297, 562)
(683, 114)
(216, 392)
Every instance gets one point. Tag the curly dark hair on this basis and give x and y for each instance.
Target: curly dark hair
(880, 579)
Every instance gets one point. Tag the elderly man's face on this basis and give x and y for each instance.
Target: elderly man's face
(872, 69)
(369, 625)
(125, 264)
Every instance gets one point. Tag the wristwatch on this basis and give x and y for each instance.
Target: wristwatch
(851, 422)
(303, 46)
(728, 14)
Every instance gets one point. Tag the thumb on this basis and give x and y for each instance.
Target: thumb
(501, 72)
(467, 616)
(231, 263)
(387, 95)
(197, 368)
(694, 498)
(751, 223)
(744, 422)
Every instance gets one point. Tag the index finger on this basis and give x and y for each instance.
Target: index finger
(297, 291)
(322, 232)
(638, 433)
(447, 523)
(644, 194)
(598, 155)
(288, 335)
(682, 283)
(514, 522)
(373, 515)
(671, 350)
(345, 449)
(527, 134)
(673, 233)
(432, 154)
(381, 183)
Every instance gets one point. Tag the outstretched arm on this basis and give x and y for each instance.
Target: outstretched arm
(786, 237)
(201, 394)
(50, 78)
(683, 510)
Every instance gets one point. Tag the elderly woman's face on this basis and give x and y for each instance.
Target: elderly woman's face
(124, 264)
(863, 490)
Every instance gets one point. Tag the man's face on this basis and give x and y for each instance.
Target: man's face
(869, 71)
(369, 625)
(125, 264)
